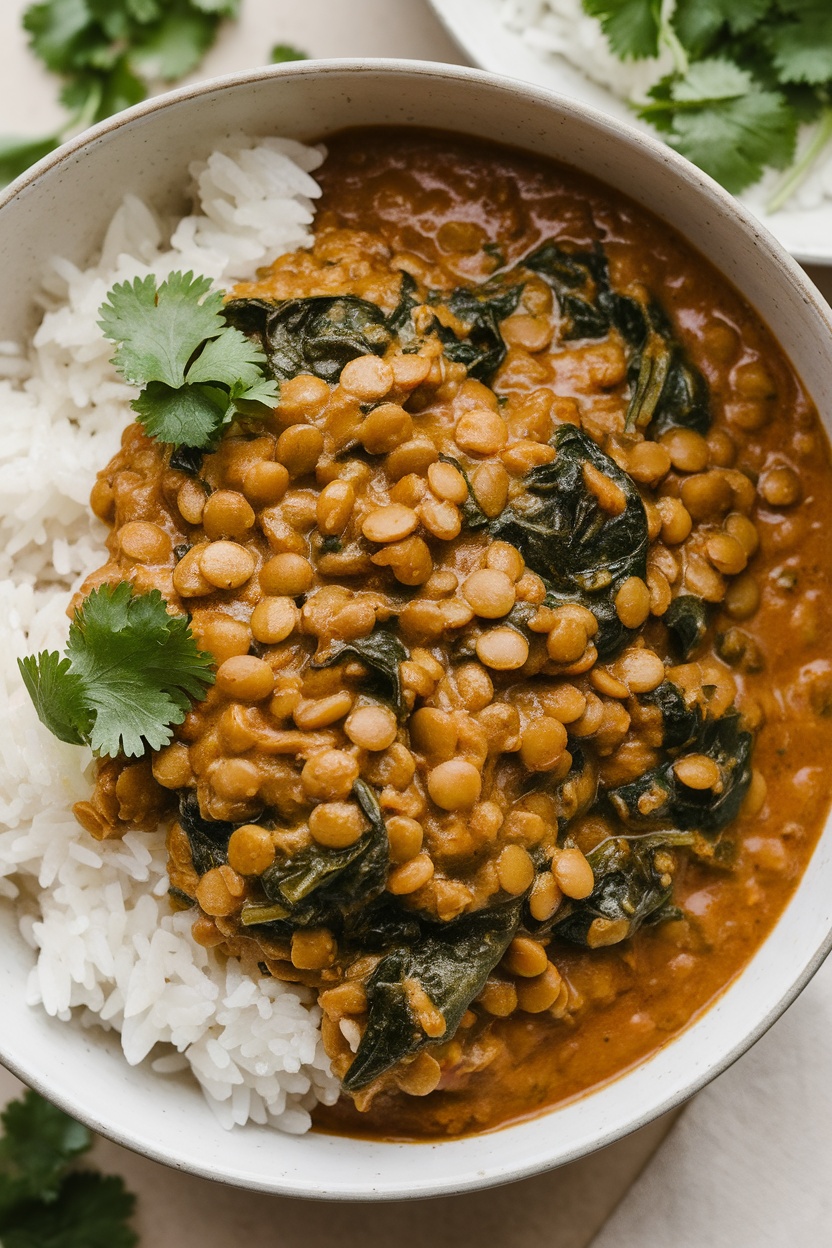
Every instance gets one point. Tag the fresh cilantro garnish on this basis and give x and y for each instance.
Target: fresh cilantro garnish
(129, 673)
(44, 1203)
(110, 54)
(721, 120)
(800, 46)
(747, 74)
(195, 368)
(632, 27)
(283, 52)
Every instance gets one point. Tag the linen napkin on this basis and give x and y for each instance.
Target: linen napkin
(748, 1163)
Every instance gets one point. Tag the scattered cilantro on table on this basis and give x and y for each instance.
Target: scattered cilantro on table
(283, 52)
(110, 54)
(129, 672)
(195, 369)
(44, 1201)
(747, 74)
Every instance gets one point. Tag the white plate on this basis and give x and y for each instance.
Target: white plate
(477, 28)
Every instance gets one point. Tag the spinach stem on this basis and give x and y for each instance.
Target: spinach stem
(802, 167)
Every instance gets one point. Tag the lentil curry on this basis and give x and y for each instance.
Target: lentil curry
(518, 740)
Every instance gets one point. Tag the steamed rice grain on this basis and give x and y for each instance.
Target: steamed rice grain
(108, 951)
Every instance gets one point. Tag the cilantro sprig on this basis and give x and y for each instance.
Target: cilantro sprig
(747, 74)
(110, 55)
(44, 1201)
(128, 674)
(195, 369)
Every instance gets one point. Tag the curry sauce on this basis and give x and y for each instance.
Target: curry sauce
(516, 747)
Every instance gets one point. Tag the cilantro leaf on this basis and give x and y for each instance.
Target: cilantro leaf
(632, 27)
(91, 1211)
(801, 46)
(722, 120)
(38, 1143)
(130, 672)
(43, 1202)
(159, 330)
(230, 358)
(57, 30)
(697, 22)
(188, 416)
(16, 155)
(283, 52)
(194, 367)
(58, 696)
(176, 45)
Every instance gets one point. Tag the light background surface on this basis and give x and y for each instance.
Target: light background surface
(563, 1209)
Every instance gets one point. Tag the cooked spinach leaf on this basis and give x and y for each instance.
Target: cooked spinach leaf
(187, 459)
(320, 886)
(481, 309)
(673, 804)
(583, 553)
(667, 390)
(580, 282)
(318, 335)
(381, 652)
(629, 890)
(451, 965)
(473, 516)
(680, 723)
(208, 838)
(687, 622)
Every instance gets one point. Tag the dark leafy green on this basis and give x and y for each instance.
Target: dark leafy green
(451, 964)
(318, 335)
(473, 516)
(687, 622)
(208, 838)
(326, 886)
(583, 553)
(481, 309)
(381, 653)
(667, 390)
(681, 723)
(629, 891)
(686, 809)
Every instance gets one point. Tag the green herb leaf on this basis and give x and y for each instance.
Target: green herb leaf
(697, 22)
(189, 416)
(801, 45)
(39, 1142)
(283, 52)
(91, 1211)
(719, 118)
(175, 46)
(451, 964)
(632, 26)
(42, 1203)
(16, 155)
(130, 672)
(158, 330)
(195, 368)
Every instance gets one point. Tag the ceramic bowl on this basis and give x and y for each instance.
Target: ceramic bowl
(62, 206)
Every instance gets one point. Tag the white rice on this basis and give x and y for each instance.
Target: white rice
(109, 952)
(561, 29)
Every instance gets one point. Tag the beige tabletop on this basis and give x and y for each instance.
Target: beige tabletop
(562, 1209)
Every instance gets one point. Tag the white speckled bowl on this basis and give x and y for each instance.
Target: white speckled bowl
(62, 206)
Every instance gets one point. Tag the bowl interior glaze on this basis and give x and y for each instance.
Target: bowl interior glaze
(62, 207)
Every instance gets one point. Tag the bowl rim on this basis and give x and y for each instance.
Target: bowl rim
(790, 269)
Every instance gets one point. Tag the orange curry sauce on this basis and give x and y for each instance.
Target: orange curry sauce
(406, 185)
(265, 584)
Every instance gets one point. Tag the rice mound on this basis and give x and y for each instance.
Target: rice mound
(110, 952)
